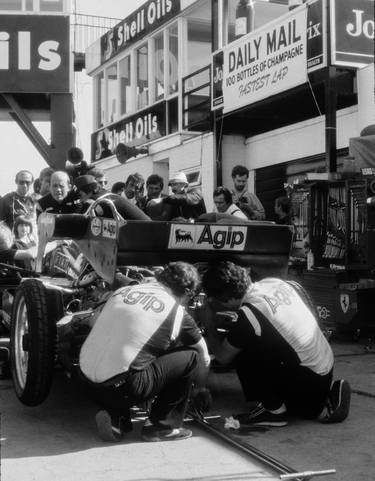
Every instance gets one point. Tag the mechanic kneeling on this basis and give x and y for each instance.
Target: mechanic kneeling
(144, 346)
(281, 356)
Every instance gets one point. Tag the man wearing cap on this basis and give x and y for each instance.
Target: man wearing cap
(89, 191)
(62, 199)
(186, 203)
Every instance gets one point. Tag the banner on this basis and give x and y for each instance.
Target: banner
(34, 54)
(147, 125)
(270, 60)
(352, 32)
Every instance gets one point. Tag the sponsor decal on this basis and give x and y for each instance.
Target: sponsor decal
(207, 237)
(148, 300)
(96, 226)
(344, 302)
(323, 312)
(109, 228)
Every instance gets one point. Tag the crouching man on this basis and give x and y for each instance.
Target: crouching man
(144, 346)
(281, 356)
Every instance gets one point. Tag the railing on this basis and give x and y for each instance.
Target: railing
(88, 28)
(196, 100)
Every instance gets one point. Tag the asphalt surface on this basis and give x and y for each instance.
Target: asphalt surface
(58, 441)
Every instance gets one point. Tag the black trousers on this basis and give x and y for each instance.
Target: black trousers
(167, 380)
(274, 383)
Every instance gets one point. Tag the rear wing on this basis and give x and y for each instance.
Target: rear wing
(108, 243)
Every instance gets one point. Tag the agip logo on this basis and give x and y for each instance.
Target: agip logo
(207, 237)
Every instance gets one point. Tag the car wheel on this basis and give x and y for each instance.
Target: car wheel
(33, 341)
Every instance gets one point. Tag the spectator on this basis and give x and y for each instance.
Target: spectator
(152, 202)
(89, 191)
(224, 205)
(10, 254)
(100, 177)
(19, 202)
(23, 232)
(36, 190)
(118, 188)
(283, 210)
(62, 199)
(45, 181)
(134, 187)
(186, 203)
(152, 354)
(245, 200)
(282, 358)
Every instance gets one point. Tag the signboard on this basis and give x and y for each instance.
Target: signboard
(207, 237)
(316, 35)
(217, 80)
(140, 23)
(352, 32)
(149, 124)
(34, 54)
(266, 62)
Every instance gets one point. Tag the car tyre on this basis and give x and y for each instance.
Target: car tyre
(33, 341)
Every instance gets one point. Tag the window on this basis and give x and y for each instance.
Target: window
(100, 100)
(112, 86)
(142, 77)
(125, 90)
(51, 5)
(45, 6)
(173, 59)
(199, 44)
(11, 5)
(159, 67)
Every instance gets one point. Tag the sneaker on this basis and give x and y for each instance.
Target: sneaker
(259, 416)
(338, 403)
(111, 428)
(153, 433)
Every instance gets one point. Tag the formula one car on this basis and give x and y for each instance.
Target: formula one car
(52, 314)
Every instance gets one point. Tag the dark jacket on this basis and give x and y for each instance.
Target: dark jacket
(189, 205)
(68, 206)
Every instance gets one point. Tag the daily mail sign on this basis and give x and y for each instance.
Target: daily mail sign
(34, 54)
(266, 62)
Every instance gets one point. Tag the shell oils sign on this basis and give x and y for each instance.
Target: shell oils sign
(34, 54)
(207, 237)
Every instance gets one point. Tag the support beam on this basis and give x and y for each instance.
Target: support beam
(331, 120)
(22, 119)
(62, 135)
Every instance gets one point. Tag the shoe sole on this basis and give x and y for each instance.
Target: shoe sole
(342, 411)
(273, 424)
(155, 438)
(105, 430)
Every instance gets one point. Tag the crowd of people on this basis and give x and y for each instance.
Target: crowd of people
(60, 192)
(159, 355)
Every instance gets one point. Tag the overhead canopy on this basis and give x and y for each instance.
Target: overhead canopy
(363, 151)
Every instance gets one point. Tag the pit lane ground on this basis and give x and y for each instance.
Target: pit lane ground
(57, 440)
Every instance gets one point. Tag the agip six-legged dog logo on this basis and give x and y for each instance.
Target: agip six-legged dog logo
(183, 236)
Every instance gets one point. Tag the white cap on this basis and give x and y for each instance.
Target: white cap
(180, 177)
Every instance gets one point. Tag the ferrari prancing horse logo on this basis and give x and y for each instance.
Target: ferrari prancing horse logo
(344, 302)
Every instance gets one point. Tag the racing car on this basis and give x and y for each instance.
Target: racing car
(52, 314)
